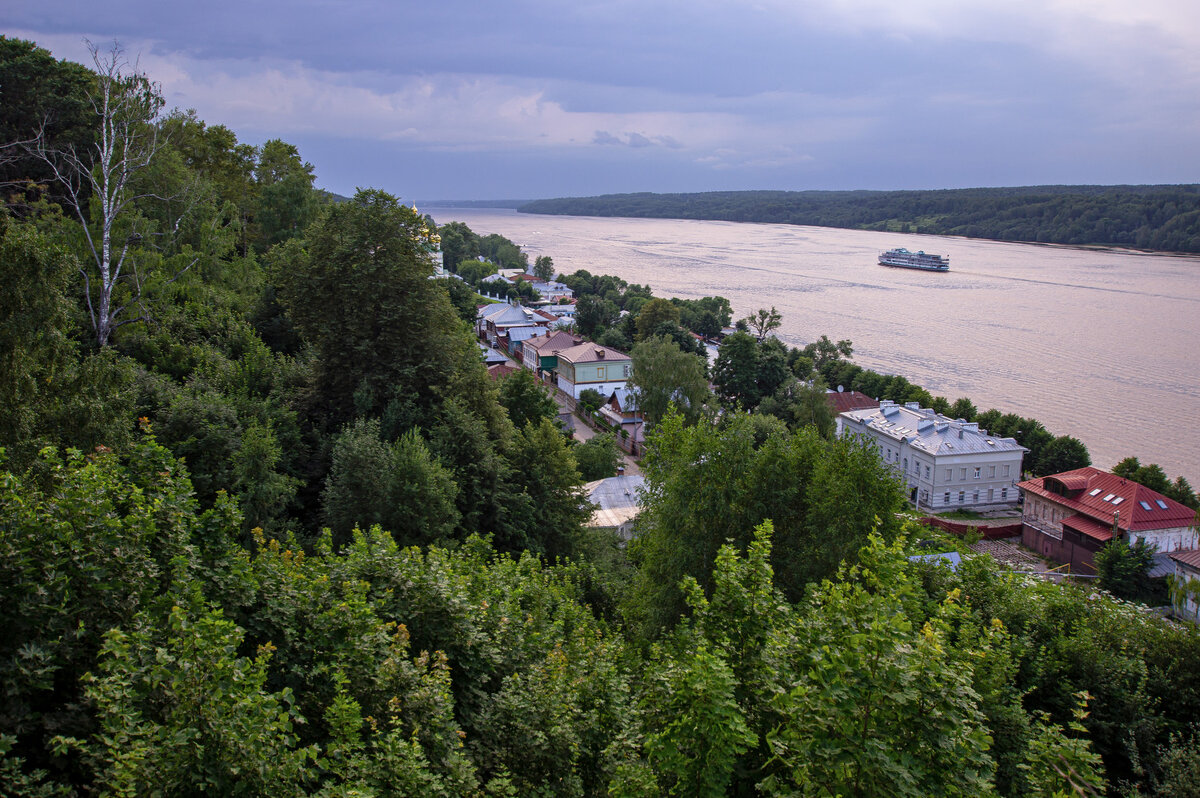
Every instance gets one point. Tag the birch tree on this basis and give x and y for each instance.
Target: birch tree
(99, 185)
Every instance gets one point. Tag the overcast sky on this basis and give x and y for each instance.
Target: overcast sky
(491, 99)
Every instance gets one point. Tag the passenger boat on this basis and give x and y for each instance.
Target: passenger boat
(904, 259)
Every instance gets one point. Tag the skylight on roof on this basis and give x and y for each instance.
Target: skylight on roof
(1095, 492)
(1118, 500)
(1109, 497)
(1161, 504)
(1144, 505)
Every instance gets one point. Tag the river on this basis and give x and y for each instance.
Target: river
(1102, 345)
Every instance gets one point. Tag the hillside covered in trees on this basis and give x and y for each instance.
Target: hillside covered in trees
(1164, 218)
(267, 528)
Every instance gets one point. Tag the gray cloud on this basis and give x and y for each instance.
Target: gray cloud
(715, 94)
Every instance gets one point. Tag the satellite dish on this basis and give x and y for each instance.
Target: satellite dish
(840, 389)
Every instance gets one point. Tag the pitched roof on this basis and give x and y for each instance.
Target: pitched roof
(590, 353)
(1090, 527)
(1187, 557)
(522, 333)
(516, 316)
(501, 370)
(845, 401)
(553, 343)
(615, 498)
(1101, 495)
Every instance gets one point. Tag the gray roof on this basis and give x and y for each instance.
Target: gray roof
(928, 431)
(524, 333)
(615, 498)
(951, 558)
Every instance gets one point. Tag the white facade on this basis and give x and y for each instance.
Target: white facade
(945, 464)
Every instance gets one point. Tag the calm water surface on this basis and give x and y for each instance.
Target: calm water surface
(1101, 345)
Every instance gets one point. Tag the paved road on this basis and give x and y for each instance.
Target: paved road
(583, 432)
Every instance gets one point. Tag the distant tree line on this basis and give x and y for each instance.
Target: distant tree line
(1163, 217)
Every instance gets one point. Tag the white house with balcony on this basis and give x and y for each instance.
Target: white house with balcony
(944, 463)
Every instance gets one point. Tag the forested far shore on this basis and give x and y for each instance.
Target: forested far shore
(1164, 218)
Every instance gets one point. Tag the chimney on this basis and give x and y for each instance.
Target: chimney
(620, 470)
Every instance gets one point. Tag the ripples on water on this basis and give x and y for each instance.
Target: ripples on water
(1096, 344)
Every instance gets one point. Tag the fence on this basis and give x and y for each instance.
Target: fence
(985, 532)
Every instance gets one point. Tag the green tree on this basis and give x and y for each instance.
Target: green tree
(1064, 453)
(591, 400)
(799, 404)
(884, 702)
(543, 267)
(287, 202)
(459, 244)
(473, 271)
(546, 470)
(654, 313)
(708, 485)
(179, 708)
(593, 313)
(100, 185)
(735, 372)
(526, 401)
(465, 301)
(400, 487)
(763, 322)
(963, 408)
(40, 96)
(597, 457)
(359, 293)
(665, 376)
(51, 394)
(1124, 569)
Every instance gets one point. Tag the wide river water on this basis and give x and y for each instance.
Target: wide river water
(1102, 345)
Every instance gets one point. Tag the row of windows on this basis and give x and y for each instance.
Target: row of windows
(976, 472)
(962, 496)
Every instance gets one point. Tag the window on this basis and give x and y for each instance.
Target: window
(991, 472)
(1003, 493)
(962, 494)
(991, 494)
(949, 474)
(905, 463)
(1004, 470)
(977, 472)
(628, 369)
(976, 499)
(599, 372)
(962, 473)
(946, 500)
(926, 472)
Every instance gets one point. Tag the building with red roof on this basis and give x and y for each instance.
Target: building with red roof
(844, 401)
(1070, 516)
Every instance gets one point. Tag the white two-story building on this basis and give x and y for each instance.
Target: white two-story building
(944, 463)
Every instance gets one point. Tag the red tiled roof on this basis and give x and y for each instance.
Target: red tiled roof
(1188, 557)
(1099, 494)
(501, 370)
(1089, 527)
(845, 401)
